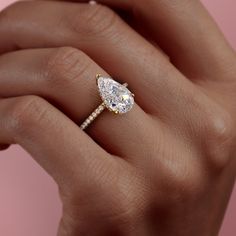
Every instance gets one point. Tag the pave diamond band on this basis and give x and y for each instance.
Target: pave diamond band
(93, 116)
(115, 97)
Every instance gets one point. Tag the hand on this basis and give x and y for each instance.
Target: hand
(164, 168)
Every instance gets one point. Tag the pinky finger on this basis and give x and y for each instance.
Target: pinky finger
(53, 140)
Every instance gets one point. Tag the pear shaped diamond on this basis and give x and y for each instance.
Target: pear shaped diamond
(116, 97)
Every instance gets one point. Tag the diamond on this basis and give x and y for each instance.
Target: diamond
(115, 96)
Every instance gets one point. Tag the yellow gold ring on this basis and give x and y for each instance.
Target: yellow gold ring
(115, 97)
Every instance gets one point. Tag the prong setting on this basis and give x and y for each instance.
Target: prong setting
(97, 77)
(115, 96)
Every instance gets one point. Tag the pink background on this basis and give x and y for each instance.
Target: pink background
(29, 202)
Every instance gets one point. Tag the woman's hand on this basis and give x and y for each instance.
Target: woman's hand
(164, 168)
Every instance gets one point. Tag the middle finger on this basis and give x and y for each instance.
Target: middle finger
(102, 35)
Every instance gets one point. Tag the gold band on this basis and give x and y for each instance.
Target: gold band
(93, 116)
(115, 96)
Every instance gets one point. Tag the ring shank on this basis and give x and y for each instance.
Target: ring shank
(93, 116)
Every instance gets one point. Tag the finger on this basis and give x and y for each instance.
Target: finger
(54, 141)
(160, 89)
(102, 35)
(66, 77)
(185, 30)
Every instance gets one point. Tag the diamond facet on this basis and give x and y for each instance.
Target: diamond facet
(115, 96)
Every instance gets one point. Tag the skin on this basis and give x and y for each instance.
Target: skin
(165, 168)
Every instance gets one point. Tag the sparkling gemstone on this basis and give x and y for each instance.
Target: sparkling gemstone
(115, 96)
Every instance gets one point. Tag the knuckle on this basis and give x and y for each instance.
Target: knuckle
(215, 131)
(219, 138)
(96, 20)
(183, 181)
(64, 66)
(26, 113)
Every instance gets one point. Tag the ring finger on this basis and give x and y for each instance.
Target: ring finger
(66, 77)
